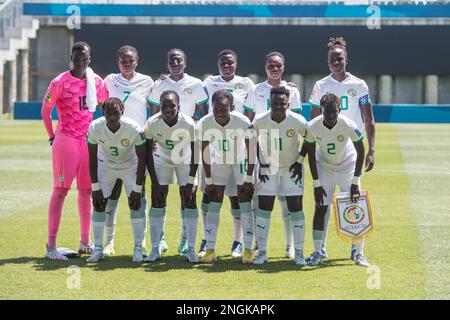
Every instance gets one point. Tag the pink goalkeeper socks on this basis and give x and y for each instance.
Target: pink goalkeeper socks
(84, 210)
(54, 214)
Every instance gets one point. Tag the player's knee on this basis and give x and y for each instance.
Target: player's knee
(61, 192)
(234, 202)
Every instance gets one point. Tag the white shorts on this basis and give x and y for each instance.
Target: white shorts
(330, 178)
(226, 175)
(107, 178)
(281, 185)
(165, 172)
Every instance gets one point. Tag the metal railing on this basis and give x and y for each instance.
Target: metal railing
(10, 14)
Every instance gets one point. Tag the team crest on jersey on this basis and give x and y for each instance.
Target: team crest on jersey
(351, 92)
(234, 135)
(125, 142)
(181, 136)
(341, 138)
(290, 133)
(48, 98)
(187, 91)
(140, 89)
(239, 86)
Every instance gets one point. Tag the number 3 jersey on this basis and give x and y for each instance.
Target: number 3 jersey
(279, 143)
(352, 91)
(173, 142)
(69, 95)
(336, 149)
(133, 93)
(116, 149)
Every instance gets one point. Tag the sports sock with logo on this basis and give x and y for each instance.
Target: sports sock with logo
(317, 239)
(98, 226)
(298, 229)
(237, 227)
(112, 207)
(212, 224)
(247, 223)
(191, 218)
(54, 214)
(138, 225)
(287, 227)
(156, 218)
(262, 228)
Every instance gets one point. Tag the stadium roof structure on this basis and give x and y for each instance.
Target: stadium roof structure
(248, 12)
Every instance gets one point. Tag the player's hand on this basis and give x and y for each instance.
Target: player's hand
(189, 191)
(354, 192)
(157, 195)
(98, 201)
(370, 160)
(264, 173)
(50, 140)
(134, 201)
(319, 194)
(245, 191)
(296, 169)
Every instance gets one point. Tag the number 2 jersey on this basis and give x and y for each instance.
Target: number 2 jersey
(336, 149)
(69, 95)
(352, 91)
(133, 93)
(116, 149)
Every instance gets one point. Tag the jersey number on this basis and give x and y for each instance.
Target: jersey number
(114, 151)
(82, 103)
(331, 148)
(224, 145)
(127, 94)
(344, 103)
(169, 144)
(278, 144)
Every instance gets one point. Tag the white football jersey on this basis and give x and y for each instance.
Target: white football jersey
(336, 148)
(228, 142)
(116, 150)
(258, 100)
(353, 92)
(189, 89)
(173, 143)
(133, 93)
(240, 87)
(279, 143)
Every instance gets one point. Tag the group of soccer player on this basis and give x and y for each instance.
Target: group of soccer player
(247, 138)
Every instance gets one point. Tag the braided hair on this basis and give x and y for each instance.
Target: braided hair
(337, 42)
(329, 100)
(113, 103)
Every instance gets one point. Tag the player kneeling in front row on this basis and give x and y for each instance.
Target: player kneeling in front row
(227, 135)
(116, 151)
(176, 152)
(340, 163)
(280, 171)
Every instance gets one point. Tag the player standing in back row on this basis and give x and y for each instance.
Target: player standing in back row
(355, 104)
(69, 92)
(240, 88)
(193, 103)
(133, 89)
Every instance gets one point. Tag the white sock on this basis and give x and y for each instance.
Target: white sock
(255, 211)
(212, 224)
(359, 247)
(287, 227)
(262, 228)
(298, 229)
(157, 218)
(203, 217)
(191, 219)
(237, 227)
(144, 209)
(325, 228)
(247, 223)
(112, 207)
(98, 227)
(183, 223)
(318, 239)
(138, 225)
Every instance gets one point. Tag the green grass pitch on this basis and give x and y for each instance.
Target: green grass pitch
(409, 249)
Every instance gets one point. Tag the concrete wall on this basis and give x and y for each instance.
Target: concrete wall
(49, 56)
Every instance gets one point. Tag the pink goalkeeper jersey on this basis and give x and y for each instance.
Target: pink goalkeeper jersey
(69, 95)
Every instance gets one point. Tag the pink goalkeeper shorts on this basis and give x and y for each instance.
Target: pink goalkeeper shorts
(70, 161)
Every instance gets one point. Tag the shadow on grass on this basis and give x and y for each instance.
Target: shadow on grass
(173, 262)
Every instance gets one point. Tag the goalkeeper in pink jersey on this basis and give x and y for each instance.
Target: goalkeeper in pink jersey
(76, 94)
